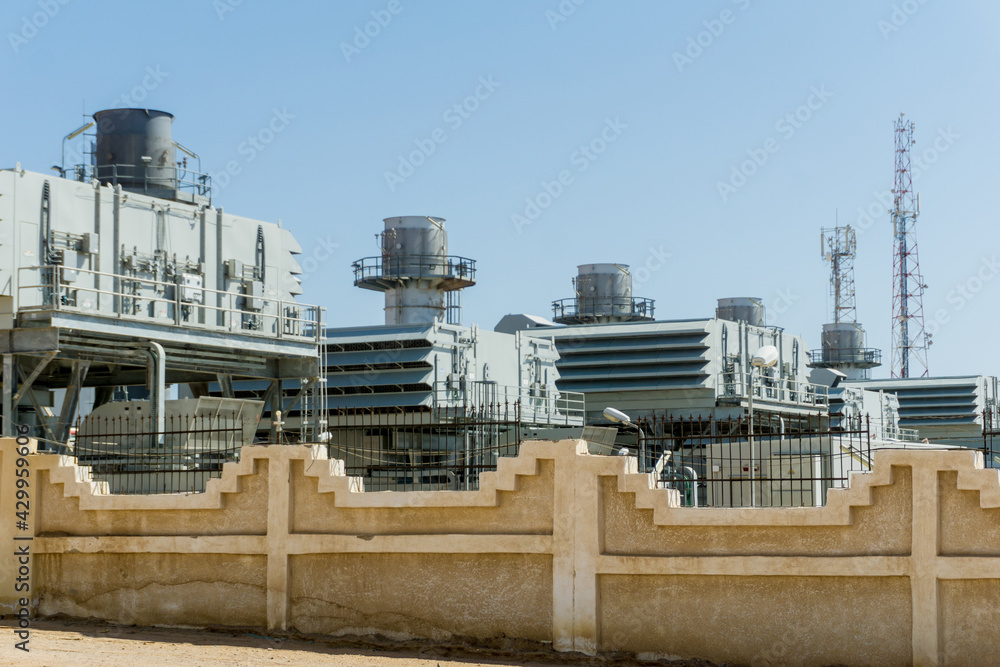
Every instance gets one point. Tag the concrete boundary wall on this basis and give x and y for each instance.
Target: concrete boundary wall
(900, 568)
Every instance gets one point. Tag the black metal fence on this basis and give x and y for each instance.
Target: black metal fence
(135, 455)
(787, 460)
(434, 450)
(991, 440)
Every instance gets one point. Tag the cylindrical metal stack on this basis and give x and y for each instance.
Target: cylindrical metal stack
(415, 272)
(843, 342)
(414, 246)
(414, 250)
(843, 349)
(135, 149)
(741, 309)
(603, 294)
(603, 290)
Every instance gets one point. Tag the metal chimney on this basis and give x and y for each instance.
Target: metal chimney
(741, 309)
(603, 294)
(843, 348)
(135, 149)
(421, 281)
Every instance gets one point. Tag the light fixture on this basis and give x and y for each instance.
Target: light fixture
(72, 135)
(766, 357)
(620, 417)
(617, 416)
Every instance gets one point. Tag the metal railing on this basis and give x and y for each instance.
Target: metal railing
(991, 440)
(608, 306)
(791, 460)
(442, 450)
(538, 403)
(134, 456)
(151, 178)
(897, 433)
(846, 355)
(391, 267)
(773, 390)
(60, 288)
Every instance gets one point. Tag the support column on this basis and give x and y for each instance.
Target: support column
(26, 382)
(563, 552)
(103, 395)
(588, 539)
(71, 400)
(198, 389)
(924, 577)
(226, 385)
(8, 395)
(276, 404)
(43, 419)
(279, 506)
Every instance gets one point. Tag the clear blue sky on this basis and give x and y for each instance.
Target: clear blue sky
(678, 129)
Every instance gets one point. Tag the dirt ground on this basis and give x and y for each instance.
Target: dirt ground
(57, 643)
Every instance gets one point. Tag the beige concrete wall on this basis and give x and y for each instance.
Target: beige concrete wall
(557, 545)
(762, 619)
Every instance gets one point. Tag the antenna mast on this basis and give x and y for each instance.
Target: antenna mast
(839, 245)
(909, 339)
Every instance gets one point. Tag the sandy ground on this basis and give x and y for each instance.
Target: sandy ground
(84, 644)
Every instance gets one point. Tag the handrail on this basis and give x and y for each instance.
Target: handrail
(899, 433)
(414, 266)
(603, 305)
(846, 355)
(277, 318)
(538, 402)
(152, 175)
(777, 390)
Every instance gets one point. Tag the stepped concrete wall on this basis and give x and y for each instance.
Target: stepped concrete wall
(556, 546)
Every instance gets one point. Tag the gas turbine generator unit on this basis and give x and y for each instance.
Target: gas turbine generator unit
(603, 294)
(121, 274)
(421, 281)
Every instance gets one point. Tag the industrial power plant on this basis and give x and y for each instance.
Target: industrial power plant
(207, 449)
(151, 335)
(559, 333)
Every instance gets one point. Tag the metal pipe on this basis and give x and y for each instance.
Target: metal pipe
(467, 455)
(694, 484)
(750, 435)
(117, 302)
(156, 377)
(642, 448)
(191, 153)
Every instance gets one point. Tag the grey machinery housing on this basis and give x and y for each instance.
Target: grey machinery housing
(128, 254)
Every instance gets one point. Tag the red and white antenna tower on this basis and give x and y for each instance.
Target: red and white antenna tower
(909, 339)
